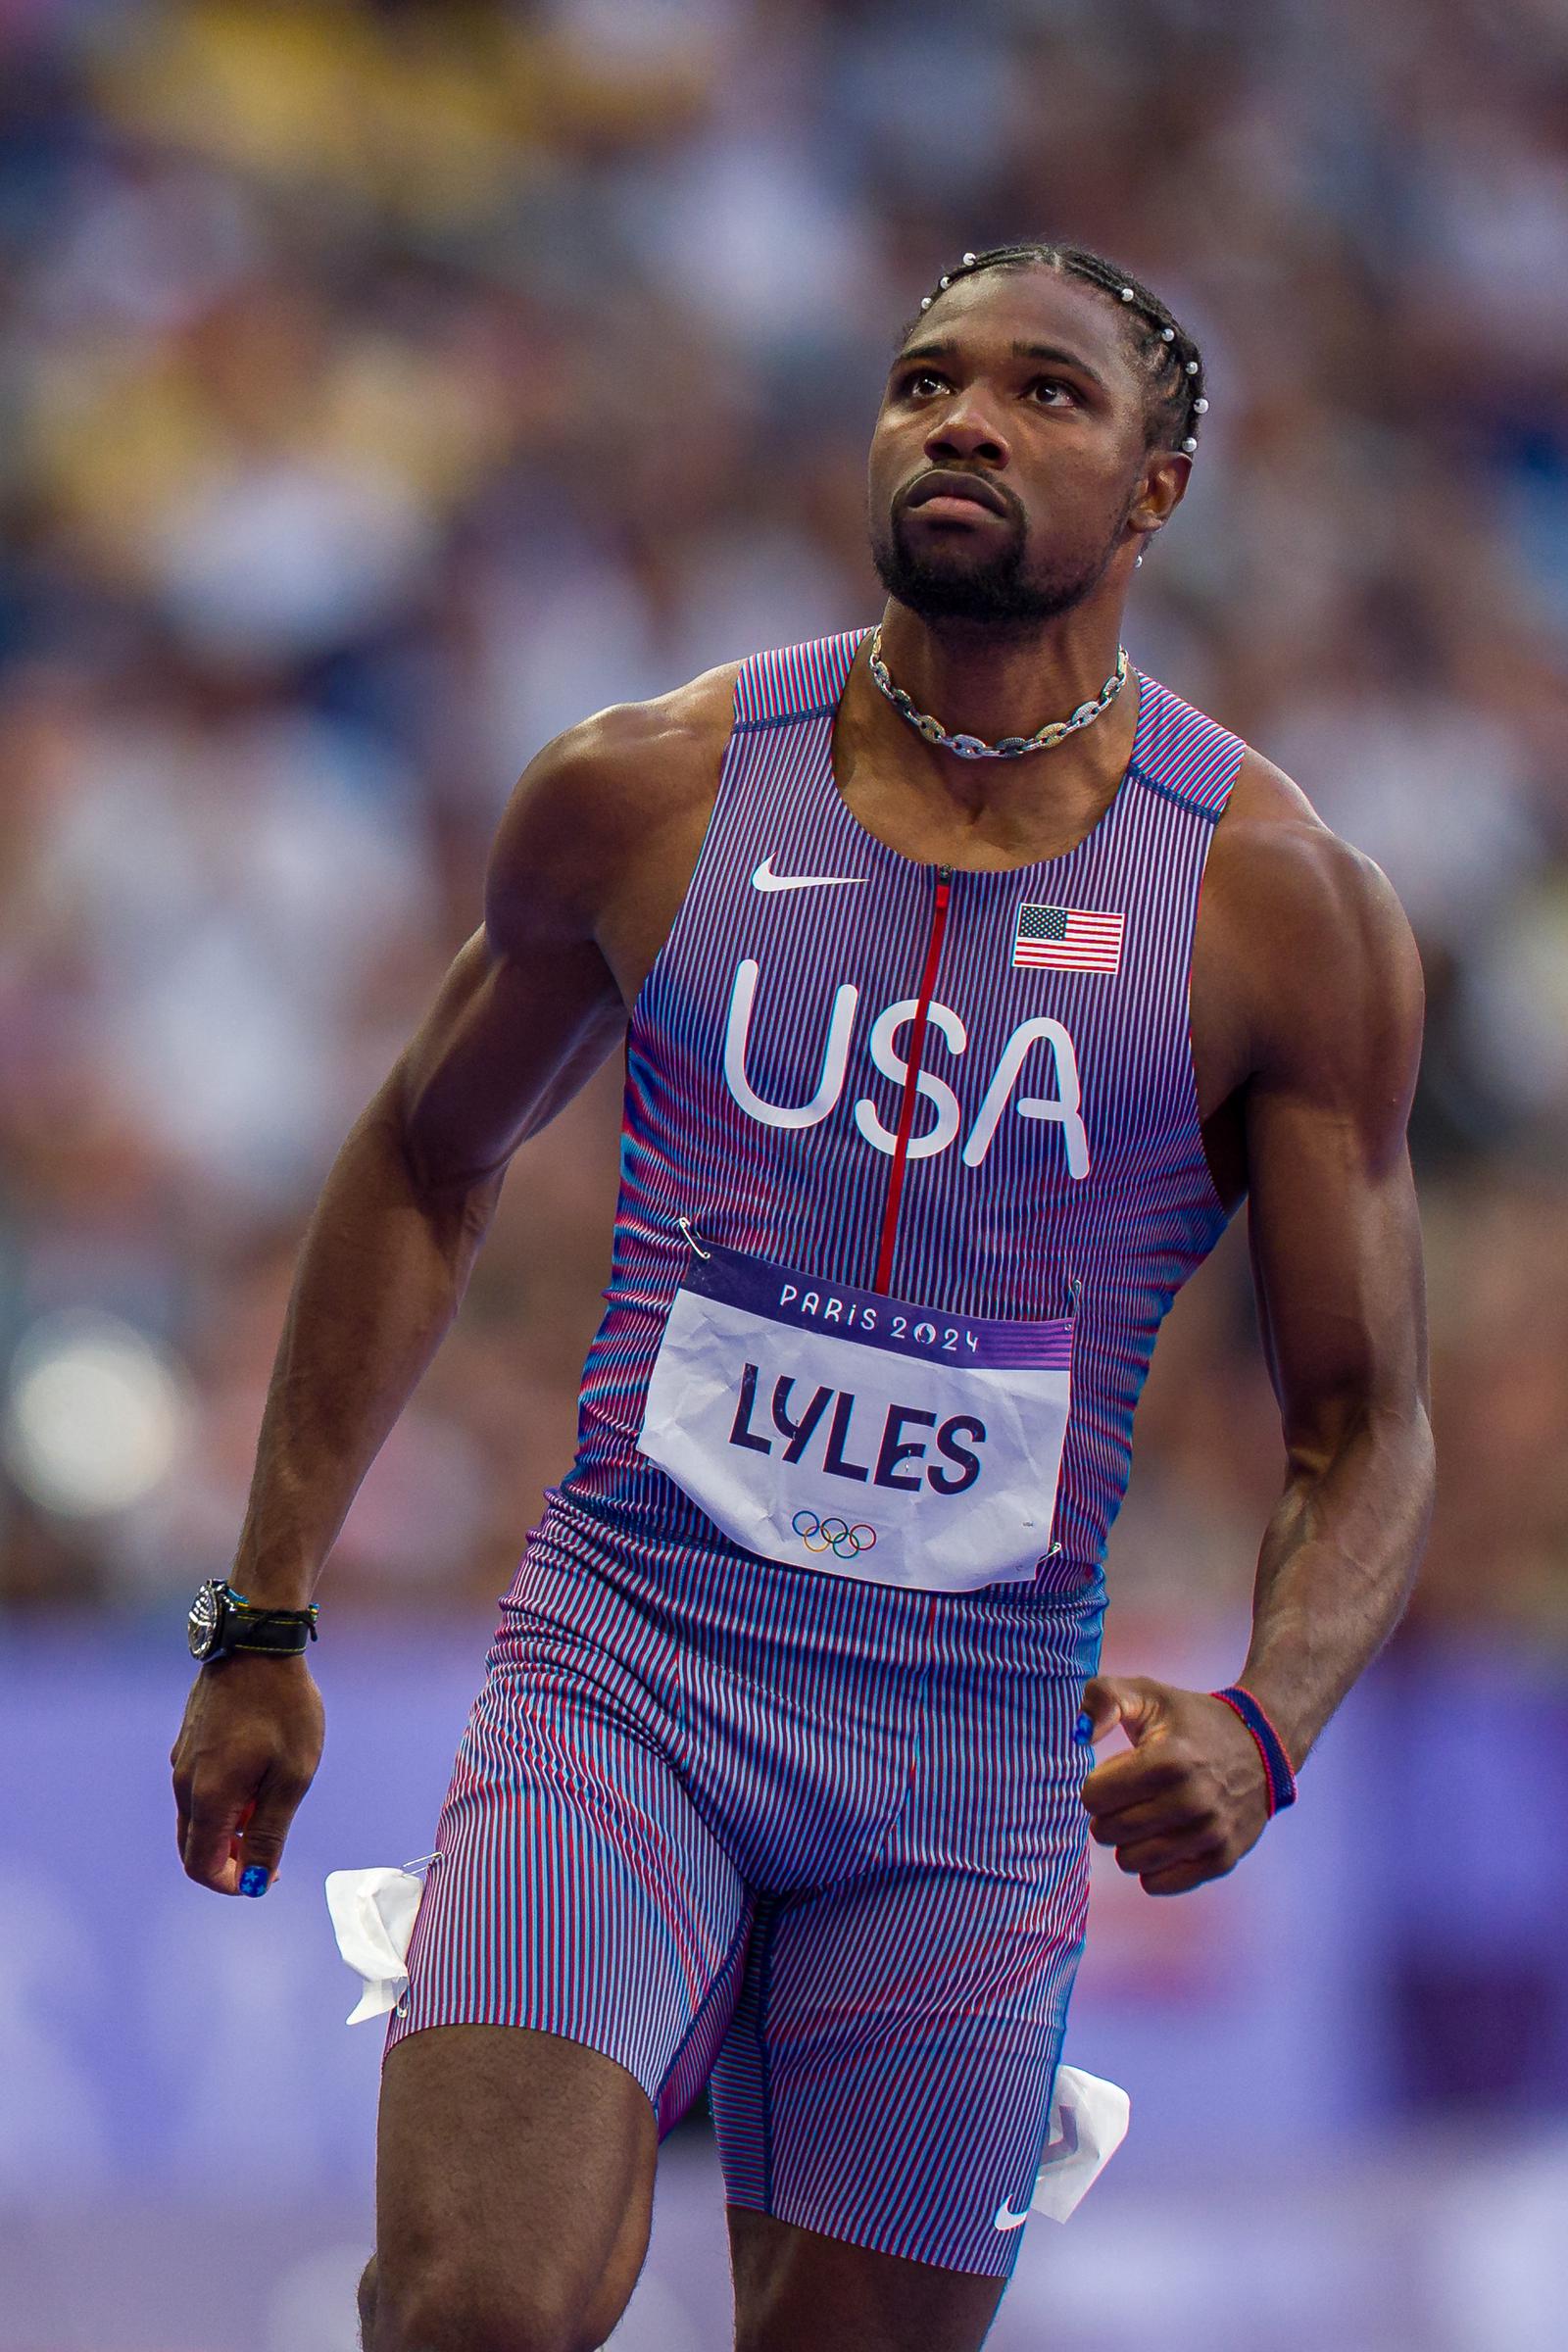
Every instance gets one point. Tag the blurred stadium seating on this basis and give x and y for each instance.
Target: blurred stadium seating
(384, 387)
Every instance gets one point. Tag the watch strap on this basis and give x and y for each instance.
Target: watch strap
(277, 1632)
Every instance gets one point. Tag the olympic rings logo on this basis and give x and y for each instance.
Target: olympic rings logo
(833, 1535)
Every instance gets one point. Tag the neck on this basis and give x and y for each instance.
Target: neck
(979, 678)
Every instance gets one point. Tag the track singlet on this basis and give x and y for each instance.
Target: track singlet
(969, 1093)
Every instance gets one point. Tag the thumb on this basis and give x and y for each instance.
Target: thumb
(260, 1847)
(1109, 1699)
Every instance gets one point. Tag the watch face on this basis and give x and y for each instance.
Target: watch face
(202, 1626)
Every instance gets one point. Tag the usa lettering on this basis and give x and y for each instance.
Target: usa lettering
(1037, 1047)
(820, 1423)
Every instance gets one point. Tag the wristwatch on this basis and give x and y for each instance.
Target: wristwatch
(223, 1621)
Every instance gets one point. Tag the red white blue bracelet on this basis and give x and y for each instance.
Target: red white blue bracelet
(1277, 1773)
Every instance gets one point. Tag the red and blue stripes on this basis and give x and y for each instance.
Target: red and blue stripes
(816, 1839)
(988, 1219)
(819, 1841)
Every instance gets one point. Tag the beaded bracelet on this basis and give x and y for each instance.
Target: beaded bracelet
(1277, 1773)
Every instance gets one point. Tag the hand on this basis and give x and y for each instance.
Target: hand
(246, 1753)
(1191, 1797)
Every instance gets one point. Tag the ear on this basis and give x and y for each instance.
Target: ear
(1164, 487)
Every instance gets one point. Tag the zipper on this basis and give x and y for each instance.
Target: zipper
(883, 1280)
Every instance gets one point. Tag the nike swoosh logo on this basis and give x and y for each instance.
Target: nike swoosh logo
(764, 878)
(1008, 2220)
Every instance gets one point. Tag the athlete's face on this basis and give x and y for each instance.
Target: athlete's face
(1024, 382)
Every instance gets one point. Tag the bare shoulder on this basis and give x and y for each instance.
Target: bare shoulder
(1294, 890)
(1305, 933)
(602, 797)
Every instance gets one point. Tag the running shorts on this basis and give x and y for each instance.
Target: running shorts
(814, 1842)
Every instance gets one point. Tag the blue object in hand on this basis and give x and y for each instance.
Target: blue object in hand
(1084, 1728)
(253, 1878)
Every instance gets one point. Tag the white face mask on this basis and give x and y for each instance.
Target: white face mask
(838, 1429)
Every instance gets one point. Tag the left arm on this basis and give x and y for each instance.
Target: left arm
(1337, 1263)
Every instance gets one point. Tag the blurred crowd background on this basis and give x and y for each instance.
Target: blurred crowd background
(385, 387)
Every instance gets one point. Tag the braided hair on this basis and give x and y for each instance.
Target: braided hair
(1170, 361)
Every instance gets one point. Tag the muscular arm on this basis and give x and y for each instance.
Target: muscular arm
(1337, 1260)
(587, 871)
(527, 1010)
(1317, 975)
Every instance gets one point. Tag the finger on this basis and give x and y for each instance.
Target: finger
(265, 1834)
(1099, 1713)
(1134, 1779)
(1146, 1855)
(1143, 1821)
(211, 1841)
(1103, 1699)
(236, 1842)
(1159, 1817)
(1182, 1876)
(1129, 1700)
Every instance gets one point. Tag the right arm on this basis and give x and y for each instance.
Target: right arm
(513, 1034)
(531, 1007)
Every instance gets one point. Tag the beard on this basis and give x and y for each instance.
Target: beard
(940, 580)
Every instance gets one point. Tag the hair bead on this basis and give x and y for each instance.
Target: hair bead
(1160, 338)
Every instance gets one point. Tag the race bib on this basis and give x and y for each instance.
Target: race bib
(842, 1430)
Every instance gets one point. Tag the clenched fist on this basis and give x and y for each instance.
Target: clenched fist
(246, 1753)
(1189, 1799)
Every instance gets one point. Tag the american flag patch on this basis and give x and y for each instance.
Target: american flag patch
(1067, 939)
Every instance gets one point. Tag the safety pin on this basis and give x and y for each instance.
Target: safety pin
(693, 1243)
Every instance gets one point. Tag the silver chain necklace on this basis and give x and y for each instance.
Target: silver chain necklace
(1011, 747)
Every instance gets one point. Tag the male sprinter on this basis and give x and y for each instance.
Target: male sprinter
(938, 1085)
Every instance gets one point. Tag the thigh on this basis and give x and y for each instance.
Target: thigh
(515, 2175)
(794, 2286)
(577, 1892)
(573, 1962)
(885, 2081)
